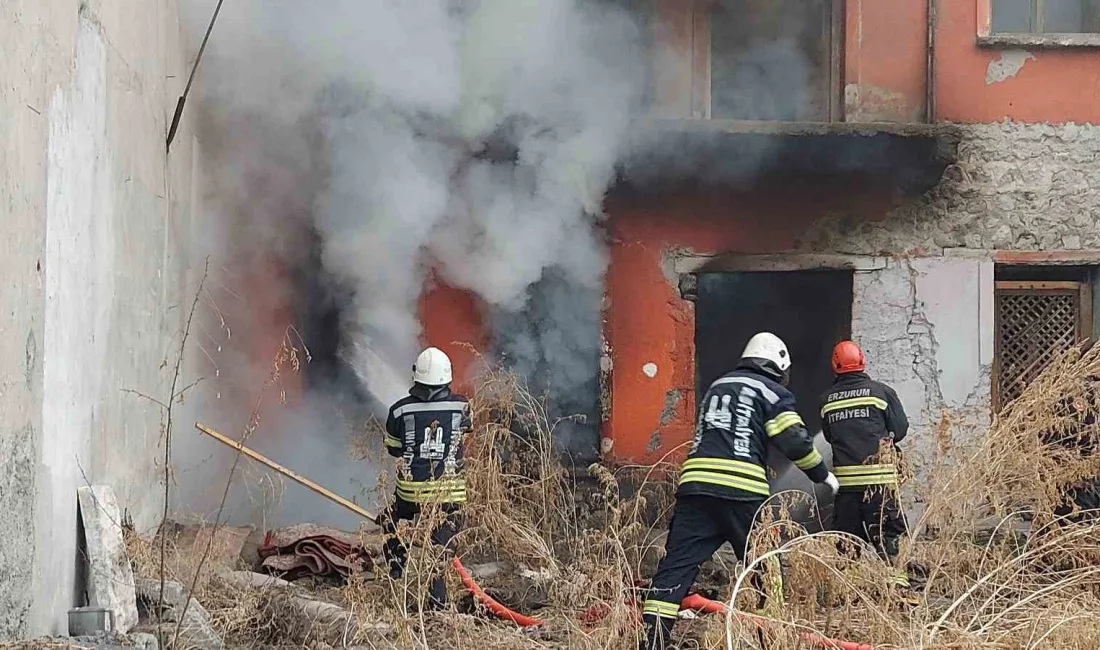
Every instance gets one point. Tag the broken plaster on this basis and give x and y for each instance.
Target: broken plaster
(1006, 67)
(672, 400)
(923, 340)
(924, 347)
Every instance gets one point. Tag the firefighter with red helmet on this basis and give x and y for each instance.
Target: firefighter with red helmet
(724, 480)
(857, 414)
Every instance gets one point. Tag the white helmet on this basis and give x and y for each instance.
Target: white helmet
(433, 368)
(769, 347)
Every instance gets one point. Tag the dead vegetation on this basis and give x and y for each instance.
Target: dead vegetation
(1003, 568)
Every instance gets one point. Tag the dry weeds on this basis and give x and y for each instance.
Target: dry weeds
(1003, 570)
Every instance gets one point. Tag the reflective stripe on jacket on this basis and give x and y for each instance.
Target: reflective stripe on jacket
(739, 416)
(857, 414)
(426, 430)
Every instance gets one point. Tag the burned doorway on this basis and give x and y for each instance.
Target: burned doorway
(810, 310)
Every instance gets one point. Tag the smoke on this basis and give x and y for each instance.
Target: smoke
(556, 342)
(469, 139)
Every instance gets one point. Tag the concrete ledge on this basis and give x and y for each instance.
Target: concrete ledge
(767, 127)
(690, 263)
(666, 154)
(1045, 41)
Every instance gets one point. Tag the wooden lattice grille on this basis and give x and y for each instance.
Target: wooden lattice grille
(1036, 321)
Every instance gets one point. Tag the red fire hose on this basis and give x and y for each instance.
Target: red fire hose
(695, 602)
(487, 600)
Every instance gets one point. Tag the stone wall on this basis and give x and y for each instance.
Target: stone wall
(1015, 186)
(95, 223)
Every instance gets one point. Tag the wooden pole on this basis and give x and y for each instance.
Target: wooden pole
(256, 456)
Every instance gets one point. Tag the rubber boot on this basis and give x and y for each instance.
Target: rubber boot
(395, 553)
(658, 633)
(437, 594)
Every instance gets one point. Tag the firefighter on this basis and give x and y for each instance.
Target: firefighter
(857, 414)
(425, 430)
(723, 482)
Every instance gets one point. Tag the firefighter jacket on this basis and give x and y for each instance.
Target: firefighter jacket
(426, 429)
(857, 413)
(739, 415)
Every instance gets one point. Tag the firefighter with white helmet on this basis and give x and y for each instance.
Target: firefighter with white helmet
(723, 482)
(426, 430)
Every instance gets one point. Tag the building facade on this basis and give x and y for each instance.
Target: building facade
(921, 176)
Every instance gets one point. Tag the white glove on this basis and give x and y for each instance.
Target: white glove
(833, 484)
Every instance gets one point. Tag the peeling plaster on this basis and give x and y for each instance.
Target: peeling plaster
(606, 366)
(869, 103)
(1006, 67)
(920, 323)
(672, 401)
(650, 370)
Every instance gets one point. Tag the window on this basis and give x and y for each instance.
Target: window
(771, 59)
(1037, 319)
(1046, 17)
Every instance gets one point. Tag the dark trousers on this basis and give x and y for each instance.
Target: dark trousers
(396, 551)
(699, 526)
(873, 516)
(1080, 502)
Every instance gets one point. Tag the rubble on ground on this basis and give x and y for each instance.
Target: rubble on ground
(110, 579)
(180, 612)
(104, 641)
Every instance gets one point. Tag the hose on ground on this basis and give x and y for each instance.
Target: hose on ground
(696, 602)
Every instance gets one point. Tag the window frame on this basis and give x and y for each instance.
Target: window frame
(987, 37)
(1084, 318)
(701, 81)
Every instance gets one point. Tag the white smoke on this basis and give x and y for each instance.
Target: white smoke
(470, 138)
(405, 94)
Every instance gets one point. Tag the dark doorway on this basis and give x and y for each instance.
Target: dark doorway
(809, 310)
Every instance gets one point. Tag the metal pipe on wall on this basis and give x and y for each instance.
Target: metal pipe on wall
(930, 66)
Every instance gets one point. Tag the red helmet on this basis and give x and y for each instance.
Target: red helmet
(847, 357)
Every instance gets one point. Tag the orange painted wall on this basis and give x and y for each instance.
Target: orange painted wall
(885, 63)
(646, 320)
(451, 321)
(1057, 86)
(885, 60)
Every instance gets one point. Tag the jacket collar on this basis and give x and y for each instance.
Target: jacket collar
(851, 377)
(426, 393)
(757, 367)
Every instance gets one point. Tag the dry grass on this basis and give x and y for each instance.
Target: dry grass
(585, 547)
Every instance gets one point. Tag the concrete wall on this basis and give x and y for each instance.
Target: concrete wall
(95, 225)
(926, 326)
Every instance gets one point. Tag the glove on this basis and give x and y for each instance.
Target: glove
(833, 484)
